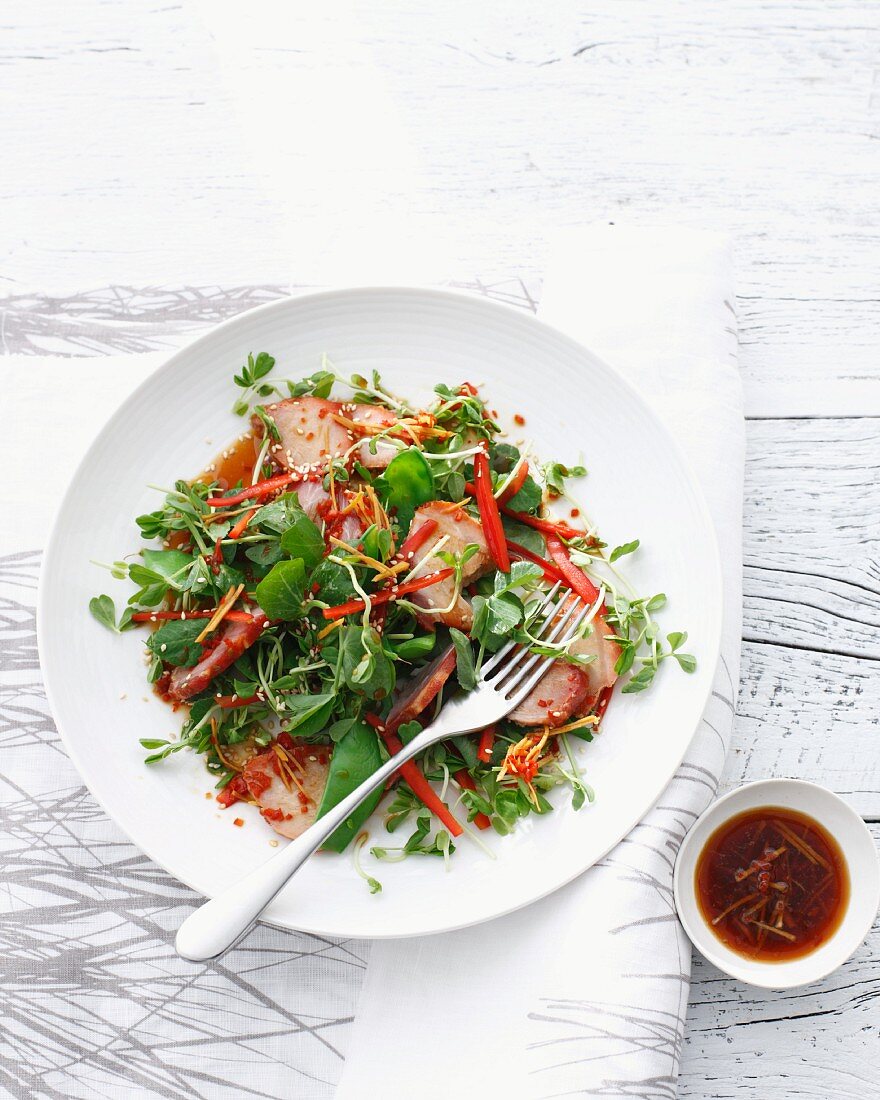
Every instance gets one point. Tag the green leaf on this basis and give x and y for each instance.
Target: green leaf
(175, 642)
(104, 610)
(625, 661)
(555, 474)
(167, 563)
(467, 749)
(464, 660)
(408, 730)
(687, 661)
(280, 592)
(640, 681)
(275, 518)
(376, 542)
(676, 639)
(656, 602)
(354, 759)
(625, 548)
(308, 714)
(264, 553)
(339, 729)
(522, 573)
(255, 369)
(503, 457)
(154, 525)
(366, 667)
(528, 498)
(303, 540)
(334, 583)
(526, 536)
(319, 384)
(409, 483)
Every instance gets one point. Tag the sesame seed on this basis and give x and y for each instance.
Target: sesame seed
(123, 696)
(163, 647)
(273, 843)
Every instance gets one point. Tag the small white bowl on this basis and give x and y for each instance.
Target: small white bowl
(859, 851)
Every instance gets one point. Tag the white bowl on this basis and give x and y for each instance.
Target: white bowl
(859, 852)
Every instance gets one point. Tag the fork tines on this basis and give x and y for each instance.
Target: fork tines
(506, 672)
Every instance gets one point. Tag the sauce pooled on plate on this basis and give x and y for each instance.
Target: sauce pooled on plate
(772, 884)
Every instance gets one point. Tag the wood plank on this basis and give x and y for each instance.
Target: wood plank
(806, 715)
(811, 535)
(740, 116)
(813, 1043)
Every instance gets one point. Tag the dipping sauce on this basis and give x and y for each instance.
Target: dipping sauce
(772, 884)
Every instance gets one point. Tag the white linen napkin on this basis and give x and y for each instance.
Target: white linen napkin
(585, 993)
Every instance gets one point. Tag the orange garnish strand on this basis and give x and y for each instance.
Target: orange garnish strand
(523, 761)
(223, 608)
(421, 428)
(214, 741)
(285, 770)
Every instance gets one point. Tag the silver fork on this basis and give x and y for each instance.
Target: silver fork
(505, 680)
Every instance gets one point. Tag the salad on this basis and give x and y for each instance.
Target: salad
(345, 565)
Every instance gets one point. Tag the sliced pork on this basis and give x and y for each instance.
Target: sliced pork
(287, 784)
(309, 436)
(232, 640)
(567, 691)
(376, 416)
(460, 530)
(422, 688)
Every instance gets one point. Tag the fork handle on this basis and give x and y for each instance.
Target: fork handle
(218, 924)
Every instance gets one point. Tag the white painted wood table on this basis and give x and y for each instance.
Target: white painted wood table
(149, 189)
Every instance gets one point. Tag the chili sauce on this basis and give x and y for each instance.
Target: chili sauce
(772, 884)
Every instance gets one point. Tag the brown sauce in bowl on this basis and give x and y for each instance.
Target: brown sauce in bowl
(772, 884)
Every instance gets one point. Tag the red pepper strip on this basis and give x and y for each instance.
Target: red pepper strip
(416, 539)
(463, 779)
(488, 508)
(388, 594)
(230, 702)
(576, 579)
(603, 701)
(239, 529)
(551, 572)
(216, 559)
(545, 526)
(258, 490)
(519, 479)
(208, 613)
(487, 740)
(421, 788)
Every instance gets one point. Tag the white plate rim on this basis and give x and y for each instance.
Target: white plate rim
(712, 645)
